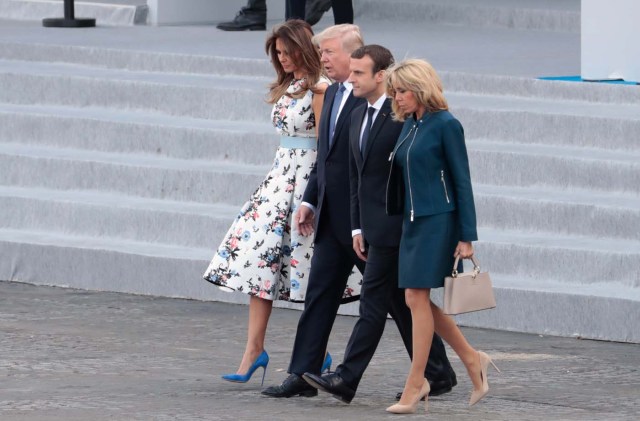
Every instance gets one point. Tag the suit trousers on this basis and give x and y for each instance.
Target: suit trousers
(331, 265)
(342, 10)
(257, 5)
(380, 295)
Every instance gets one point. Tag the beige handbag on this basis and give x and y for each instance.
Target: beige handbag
(468, 291)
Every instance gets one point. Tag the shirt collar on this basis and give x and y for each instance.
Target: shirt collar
(347, 88)
(378, 104)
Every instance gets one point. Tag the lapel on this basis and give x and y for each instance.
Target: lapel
(344, 114)
(383, 114)
(356, 125)
(323, 131)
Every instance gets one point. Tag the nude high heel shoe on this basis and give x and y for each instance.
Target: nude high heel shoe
(478, 394)
(411, 408)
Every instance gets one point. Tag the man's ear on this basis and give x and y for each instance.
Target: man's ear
(379, 77)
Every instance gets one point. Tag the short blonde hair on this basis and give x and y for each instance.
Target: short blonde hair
(419, 77)
(348, 33)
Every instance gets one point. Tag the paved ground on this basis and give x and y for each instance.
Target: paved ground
(78, 355)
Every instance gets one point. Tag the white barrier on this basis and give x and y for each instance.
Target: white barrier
(180, 12)
(610, 40)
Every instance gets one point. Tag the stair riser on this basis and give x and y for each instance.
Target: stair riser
(240, 104)
(525, 311)
(245, 146)
(204, 231)
(498, 168)
(175, 142)
(138, 60)
(560, 314)
(560, 264)
(551, 129)
(145, 225)
(469, 15)
(540, 262)
(157, 183)
(482, 84)
(567, 218)
(190, 101)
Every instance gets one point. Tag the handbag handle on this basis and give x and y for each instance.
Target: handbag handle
(476, 267)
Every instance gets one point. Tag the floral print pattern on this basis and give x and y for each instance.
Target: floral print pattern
(262, 253)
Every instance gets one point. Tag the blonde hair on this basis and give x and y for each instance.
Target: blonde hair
(348, 33)
(419, 77)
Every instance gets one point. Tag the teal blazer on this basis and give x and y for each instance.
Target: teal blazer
(438, 178)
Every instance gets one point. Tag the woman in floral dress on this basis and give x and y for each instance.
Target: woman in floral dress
(262, 254)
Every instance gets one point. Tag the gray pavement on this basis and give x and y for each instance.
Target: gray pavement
(76, 355)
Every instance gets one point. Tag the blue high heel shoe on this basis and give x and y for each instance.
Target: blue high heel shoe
(261, 361)
(326, 365)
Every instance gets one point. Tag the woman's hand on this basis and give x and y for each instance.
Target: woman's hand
(464, 250)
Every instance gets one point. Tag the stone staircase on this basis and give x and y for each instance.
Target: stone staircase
(124, 175)
(121, 170)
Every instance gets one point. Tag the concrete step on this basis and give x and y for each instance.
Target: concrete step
(561, 211)
(193, 224)
(566, 258)
(116, 216)
(531, 87)
(200, 97)
(492, 163)
(547, 128)
(182, 95)
(589, 259)
(136, 175)
(524, 304)
(568, 167)
(105, 264)
(540, 98)
(546, 15)
(139, 132)
(606, 311)
(106, 12)
(136, 60)
(125, 130)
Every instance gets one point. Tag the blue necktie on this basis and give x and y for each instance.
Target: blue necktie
(367, 130)
(337, 100)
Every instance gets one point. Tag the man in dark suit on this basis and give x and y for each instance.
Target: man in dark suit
(325, 210)
(376, 236)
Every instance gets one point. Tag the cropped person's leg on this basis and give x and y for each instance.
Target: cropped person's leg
(252, 17)
(342, 11)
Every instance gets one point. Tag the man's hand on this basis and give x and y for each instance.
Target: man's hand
(358, 247)
(304, 220)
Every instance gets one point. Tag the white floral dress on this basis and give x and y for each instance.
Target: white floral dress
(262, 254)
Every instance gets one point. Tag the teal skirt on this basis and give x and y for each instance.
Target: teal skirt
(426, 250)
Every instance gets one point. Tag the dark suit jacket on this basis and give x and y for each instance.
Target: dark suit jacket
(328, 187)
(369, 177)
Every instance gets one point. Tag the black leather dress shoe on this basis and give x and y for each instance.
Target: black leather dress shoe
(246, 20)
(291, 386)
(438, 387)
(331, 383)
(314, 10)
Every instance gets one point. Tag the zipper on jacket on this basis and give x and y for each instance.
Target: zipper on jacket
(446, 193)
(391, 160)
(409, 173)
(393, 152)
